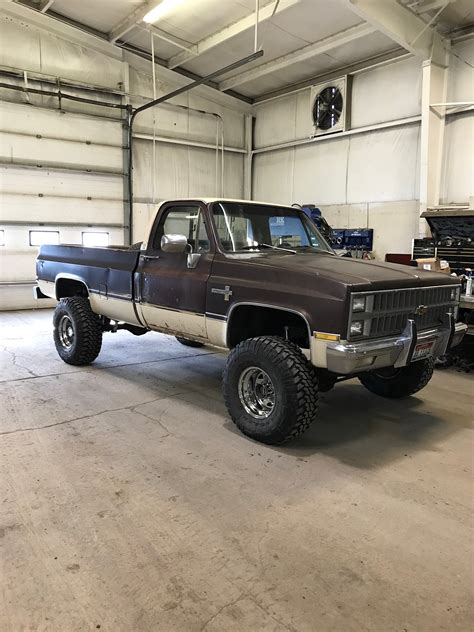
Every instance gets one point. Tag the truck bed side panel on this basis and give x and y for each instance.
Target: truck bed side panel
(107, 273)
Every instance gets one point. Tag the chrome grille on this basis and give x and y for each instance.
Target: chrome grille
(387, 312)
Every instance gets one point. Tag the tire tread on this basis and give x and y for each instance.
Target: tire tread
(409, 381)
(299, 375)
(90, 334)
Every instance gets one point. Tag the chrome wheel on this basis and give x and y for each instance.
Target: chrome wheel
(256, 392)
(66, 332)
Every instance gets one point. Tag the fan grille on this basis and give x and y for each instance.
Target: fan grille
(327, 108)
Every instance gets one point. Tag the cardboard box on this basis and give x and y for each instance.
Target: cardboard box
(434, 264)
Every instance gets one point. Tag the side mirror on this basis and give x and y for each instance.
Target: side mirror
(174, 243)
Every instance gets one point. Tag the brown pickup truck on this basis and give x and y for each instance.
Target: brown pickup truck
(259, 280)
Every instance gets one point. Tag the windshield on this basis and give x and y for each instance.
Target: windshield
(246, 227)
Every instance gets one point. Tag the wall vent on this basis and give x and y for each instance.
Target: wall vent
(330, 106)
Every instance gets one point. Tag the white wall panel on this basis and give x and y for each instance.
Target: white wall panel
(347, 215)
(461, 72)
(143, 214)
(382, 94)
(181, 123)
(202, 173)
(183, 172)
(202, 127)
(20, 45)
(18, 263)
(30, 47)
(386, 93)
(395, 224)
(383, 165)
(458, 164)
(19, 149)
(22, 118)
(375, 166)
(276, 122)
(69, 60)
(60, 209)
(320, 174)
(17, 257)
(78, 136)
(234, 176)
(76, 185)
(273, 177)
(171, 174)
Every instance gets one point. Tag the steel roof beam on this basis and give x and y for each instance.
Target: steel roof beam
(45, 5)
(302, 54)
(230, 31)
(423, 6)
(131, 20)
(402, 26)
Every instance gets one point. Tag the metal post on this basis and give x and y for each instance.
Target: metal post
(167, 97)
(257, 9)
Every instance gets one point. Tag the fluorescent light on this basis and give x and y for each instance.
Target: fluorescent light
(161, 10)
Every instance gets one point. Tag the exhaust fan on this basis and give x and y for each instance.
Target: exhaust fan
(330, 106)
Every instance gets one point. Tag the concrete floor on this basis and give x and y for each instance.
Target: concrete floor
(130, 502)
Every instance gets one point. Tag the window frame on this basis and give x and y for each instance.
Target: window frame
(302, 215)
(95, 232)
(35, 230)
(203, 219)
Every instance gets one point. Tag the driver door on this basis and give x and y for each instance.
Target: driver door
(172, 294)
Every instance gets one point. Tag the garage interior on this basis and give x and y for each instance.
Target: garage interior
(129, 499)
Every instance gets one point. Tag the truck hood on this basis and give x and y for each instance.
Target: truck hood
(358, 273)
(450, 224)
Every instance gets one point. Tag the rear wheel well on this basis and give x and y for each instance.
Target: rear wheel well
(71, 287)
(251, 321)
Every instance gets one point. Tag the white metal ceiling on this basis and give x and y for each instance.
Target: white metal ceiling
(302, 23)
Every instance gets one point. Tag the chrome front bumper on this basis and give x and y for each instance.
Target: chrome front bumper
(345, 358)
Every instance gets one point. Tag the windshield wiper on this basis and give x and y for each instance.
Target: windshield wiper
(262, 245)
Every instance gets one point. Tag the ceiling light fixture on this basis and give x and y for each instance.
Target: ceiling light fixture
(161, 10)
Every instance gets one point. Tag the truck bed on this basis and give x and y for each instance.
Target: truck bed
(106, 271)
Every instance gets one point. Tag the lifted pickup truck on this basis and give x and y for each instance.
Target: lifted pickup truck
(260, 280)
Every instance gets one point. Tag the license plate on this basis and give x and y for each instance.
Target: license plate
(422, 350)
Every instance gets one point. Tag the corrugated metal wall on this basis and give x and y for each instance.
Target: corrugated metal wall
(63, 164)
(359, 180)
(457, 184)
(182, 170)
(371, 178)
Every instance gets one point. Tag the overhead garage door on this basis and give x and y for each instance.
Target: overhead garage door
(61, 178)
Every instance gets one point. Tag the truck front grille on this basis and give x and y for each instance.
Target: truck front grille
(387, 312)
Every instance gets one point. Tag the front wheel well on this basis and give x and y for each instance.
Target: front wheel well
(251, 321)
(70, 287)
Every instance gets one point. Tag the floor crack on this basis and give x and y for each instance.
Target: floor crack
(216, 614)
(158, 421)
(101, 368)
(100, 412)
(15, 363)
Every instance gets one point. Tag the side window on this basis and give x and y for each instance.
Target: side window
(187, 221)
